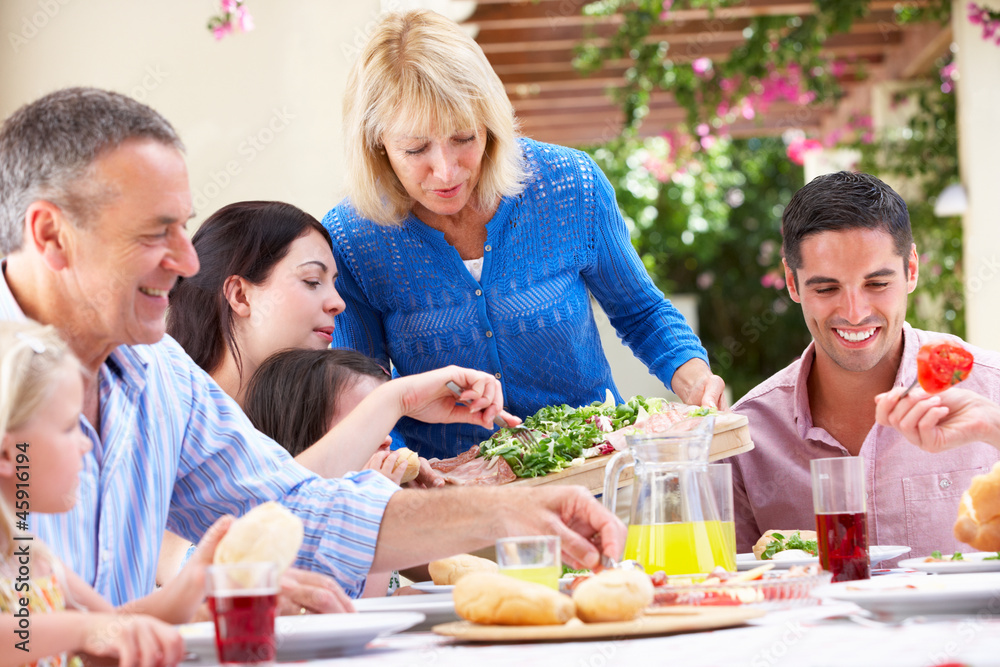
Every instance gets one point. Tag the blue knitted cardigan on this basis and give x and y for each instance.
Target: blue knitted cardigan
(410, 299)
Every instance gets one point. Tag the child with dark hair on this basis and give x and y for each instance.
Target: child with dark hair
(296, 396)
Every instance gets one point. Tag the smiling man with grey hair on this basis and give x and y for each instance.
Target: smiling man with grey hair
(95, 202)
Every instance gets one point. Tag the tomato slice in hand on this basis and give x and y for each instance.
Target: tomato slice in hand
(941, 364)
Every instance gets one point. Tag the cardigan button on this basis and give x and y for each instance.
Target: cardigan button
(497, 375)
(488, 248)
(479, 292)
(944, 483)
(489, 334)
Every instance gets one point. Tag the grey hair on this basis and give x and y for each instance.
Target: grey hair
(48, 147)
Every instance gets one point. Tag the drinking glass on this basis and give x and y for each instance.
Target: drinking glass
(838, 487)
(535, 558)
(243, 598)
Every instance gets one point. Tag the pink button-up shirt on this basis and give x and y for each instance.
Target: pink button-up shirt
(913, 495)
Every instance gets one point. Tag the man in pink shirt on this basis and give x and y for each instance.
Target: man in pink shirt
(851, 263)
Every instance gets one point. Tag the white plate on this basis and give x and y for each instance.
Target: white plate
(917, 594)
(311, 636)
(431, 587)
(436, 607)
(973, 562)
(876, 554)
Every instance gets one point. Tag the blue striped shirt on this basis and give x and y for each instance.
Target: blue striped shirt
(174, 451)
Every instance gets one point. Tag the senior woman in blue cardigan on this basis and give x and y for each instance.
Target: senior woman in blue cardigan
(462, 243)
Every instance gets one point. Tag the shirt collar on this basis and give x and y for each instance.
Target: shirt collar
(9, 309)
(801, 411)
(904, 375)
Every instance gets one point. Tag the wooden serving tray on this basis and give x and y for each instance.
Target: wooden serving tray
(659, 621)
(732, 436)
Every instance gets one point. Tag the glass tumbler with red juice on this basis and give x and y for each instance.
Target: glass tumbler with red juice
(838, 486)
(243, 598)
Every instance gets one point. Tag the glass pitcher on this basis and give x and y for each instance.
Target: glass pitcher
(674, 521)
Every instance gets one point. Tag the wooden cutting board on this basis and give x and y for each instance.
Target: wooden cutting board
(659, 621)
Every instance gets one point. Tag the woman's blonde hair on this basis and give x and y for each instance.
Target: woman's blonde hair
(32, 358)
(420, 73)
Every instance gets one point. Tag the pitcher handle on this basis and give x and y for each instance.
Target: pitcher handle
(612, 473)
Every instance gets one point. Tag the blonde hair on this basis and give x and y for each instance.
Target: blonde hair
(32, 358)
(420, 72)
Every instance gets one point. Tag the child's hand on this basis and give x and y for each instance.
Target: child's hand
(205, 552)
(428, 477)
(385, 462)
(187, 590)
(132, 638)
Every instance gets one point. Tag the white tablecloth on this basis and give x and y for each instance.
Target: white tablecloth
(795, 638)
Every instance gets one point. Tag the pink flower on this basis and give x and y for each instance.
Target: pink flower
(707, 142)
(703, 129)
(798, 148)
(229, 6)
(667, 4)
(244, 19)
(222, 30)
(773, 278)
(702, 66)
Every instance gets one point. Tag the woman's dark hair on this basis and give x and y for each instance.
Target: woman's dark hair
(244, 239)
(839, 201)
(293, 395)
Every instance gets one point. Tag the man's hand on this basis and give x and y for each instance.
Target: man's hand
(695, 384)
(584, 526)
(938, 422)
(420, 526)
(303, 591)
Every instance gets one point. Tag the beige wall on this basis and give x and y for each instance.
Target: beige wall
(259, 112)
(978, 150)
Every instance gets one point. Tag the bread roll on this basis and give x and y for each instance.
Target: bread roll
(409, 458)
(766, 539)
(496, 599)
(447, 571)
(978, 523)
(613, 595)
(267, 533)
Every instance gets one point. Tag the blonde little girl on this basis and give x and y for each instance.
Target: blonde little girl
(47, 613)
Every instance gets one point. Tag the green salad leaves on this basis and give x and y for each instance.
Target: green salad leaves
(568, 435)
(780, 543)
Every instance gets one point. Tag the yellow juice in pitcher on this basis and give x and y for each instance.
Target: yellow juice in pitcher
(547, 575)
(681, 548)
(729, 545)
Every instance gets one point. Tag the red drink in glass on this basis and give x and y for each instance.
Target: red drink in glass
(244, 626)
(843, 545)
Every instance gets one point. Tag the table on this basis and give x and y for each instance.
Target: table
(809, 636)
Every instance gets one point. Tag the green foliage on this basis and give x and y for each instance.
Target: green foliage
(713, 228)
(715, 231)
(772, 43)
